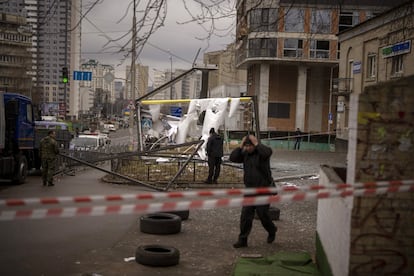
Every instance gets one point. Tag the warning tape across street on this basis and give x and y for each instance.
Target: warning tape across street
(189, 194)
(142, 208)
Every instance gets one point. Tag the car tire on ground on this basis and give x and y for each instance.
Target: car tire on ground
(184, 214)
(157, 255)
(160, 224)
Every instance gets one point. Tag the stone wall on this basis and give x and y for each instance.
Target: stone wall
(382, 227)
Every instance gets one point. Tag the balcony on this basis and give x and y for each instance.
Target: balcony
(342, 86)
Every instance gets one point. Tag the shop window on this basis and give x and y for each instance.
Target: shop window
(319, 49)
(293, 47)
(279, 110)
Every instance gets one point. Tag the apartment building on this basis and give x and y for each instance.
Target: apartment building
(290, 51)
(375, 51)
(141, 81)
(226, 74)
(55, 43)
(102, 85)
(15, 58)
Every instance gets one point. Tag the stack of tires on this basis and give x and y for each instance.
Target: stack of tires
(160, 224)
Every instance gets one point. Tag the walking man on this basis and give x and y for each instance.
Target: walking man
(48, 152)
(256, 165)
(298, 134)
(214, 153)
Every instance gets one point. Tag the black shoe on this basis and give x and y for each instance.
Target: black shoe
(207, 182)
(271, 238)
(240, 244)
(214, 181)
(51, 184)
(44, 183)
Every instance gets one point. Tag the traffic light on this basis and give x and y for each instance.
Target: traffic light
(65, 75)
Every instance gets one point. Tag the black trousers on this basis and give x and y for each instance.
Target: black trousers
(247, 216)
(214, 166)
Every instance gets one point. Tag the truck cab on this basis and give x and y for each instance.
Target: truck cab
(17, 131)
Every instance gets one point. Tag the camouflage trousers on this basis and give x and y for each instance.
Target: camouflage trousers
(48, 169)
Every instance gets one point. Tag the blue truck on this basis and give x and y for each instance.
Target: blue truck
(20, 136)
(17, 137)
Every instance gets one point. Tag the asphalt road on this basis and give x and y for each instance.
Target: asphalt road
(53, 246)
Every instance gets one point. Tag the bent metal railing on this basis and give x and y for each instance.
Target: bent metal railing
(129, 166)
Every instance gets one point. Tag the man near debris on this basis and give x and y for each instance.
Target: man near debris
(256, 165)
(48, 150)
(214, 153)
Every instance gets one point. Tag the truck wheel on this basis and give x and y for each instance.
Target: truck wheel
(160, 224)
(21, 170)
(157, 255)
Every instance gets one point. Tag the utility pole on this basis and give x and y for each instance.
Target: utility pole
(66, 56)
(133, 72)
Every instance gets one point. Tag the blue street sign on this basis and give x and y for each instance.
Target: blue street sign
(176, 111)
(82, 75)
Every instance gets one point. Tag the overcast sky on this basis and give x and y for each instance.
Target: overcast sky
(180, 40)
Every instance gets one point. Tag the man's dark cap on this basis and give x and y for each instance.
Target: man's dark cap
(212, 130)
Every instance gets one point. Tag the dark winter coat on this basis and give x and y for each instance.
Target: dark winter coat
(256, 165)
(214, 146)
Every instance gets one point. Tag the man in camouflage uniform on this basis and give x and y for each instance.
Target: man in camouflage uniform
(48, 150)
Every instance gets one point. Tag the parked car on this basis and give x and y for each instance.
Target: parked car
(89, 142)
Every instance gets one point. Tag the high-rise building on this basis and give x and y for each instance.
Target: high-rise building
(102, 83)
(290, 51)
(55, 29)
(15, 58)
(141, 81)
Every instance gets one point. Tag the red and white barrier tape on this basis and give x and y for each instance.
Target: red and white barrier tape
(189, 194)
(195, 204)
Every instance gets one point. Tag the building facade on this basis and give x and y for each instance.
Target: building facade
(102, 85)
(15, 57)
(227, 74)
(55, 43)
(375, 51)
(141, 81)
(290, 51)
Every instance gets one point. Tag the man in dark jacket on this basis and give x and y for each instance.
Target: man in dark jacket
(214, 153)
(256, 165)
(48, 150)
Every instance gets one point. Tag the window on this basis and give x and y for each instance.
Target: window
(293, 47)
(294, 20)
(319, 49)
(371, 66)
(279, 110)
(397, 65)
(29, 113)
(262, 47)
(321, 22)
(263, 20)
(348, 20)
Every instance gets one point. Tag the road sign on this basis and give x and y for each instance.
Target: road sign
(82, 75)
(176, 111)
